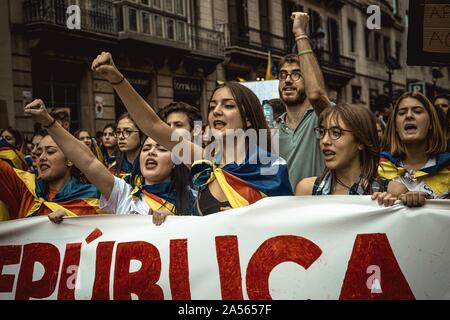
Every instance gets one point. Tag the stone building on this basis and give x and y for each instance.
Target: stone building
(178, 49)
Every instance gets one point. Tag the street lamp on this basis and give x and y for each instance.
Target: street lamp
(392, 65)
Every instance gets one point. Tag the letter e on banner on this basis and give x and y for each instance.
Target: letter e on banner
(9, 255)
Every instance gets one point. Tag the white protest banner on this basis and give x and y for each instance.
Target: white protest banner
(264, 90)
(335, 247)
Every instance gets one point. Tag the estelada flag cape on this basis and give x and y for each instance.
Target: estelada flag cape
(246, 183)
(436, 176)
(75, 198)
(125, 170)
(13, 156)
(159, 196)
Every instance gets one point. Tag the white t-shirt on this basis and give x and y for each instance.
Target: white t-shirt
(416, 185)
(121, 202)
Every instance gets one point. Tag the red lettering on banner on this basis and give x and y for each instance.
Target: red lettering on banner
(229, 267)
(69, 272)
(272, 253)
(142, 282)
(49, 256)
(9, 255)
(179, 270)
(103, 262)
(374, 250)
(97, 233)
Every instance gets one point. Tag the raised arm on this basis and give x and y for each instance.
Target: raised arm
(141, 112)
(312, 75)
(75, 150)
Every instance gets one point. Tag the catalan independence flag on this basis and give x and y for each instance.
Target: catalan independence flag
(11, 155)
(26, 196)
(159, 196)
(271, 71)
(436, 176)
(248, 182)
(125, 170)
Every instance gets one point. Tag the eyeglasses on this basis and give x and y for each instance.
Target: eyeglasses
(334, 132)
(294, 75)
(125, 133)
(109, 134)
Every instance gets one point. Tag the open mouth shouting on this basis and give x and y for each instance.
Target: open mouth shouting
(219, 124)
(43, 167)
(410, 128)
(151, 164)
(328, 154)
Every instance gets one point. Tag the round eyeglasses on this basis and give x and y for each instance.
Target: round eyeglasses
(334, 132)
(124, 133)
(283, 75)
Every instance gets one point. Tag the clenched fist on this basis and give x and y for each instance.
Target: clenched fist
(301, 20)
(104, 65)
(39, 112)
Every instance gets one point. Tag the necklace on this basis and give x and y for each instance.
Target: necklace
(341, 183)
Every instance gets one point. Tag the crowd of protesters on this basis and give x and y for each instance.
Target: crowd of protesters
(399, 152)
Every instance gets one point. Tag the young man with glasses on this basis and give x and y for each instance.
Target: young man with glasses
(302, 90)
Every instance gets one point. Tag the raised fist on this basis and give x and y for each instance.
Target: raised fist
(39, 112)
(104, 65)
(301, 20)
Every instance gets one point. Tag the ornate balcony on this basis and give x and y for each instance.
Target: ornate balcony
(207, 42)
(256, 40)
(97, 17)
(337, 69)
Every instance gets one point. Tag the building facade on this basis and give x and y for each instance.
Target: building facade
(178, 50)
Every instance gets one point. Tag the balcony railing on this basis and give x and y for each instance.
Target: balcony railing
(102, 16)
(207, 42)
(98, 16)
(336, 61)
(255, 39)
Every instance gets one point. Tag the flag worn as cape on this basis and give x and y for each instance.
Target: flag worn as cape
(107, 159)
(436, 176)
(11, 155)
(158, 196)
(248, 182)
(125, 170)
(74, 197)
(28, 196)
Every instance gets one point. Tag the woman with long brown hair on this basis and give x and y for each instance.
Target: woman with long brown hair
(350, 145)
(226, 179)
(415, 149)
